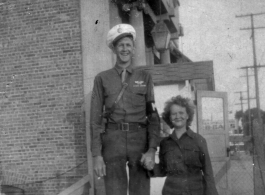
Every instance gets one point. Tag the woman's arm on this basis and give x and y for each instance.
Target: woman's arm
(159, 169)
(207, 170)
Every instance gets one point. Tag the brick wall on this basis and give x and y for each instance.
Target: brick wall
(42, 133)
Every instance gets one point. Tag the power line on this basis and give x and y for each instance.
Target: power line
(241, 100)
(245, 15)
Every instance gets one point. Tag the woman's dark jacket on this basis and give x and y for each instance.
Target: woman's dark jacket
(186, 163)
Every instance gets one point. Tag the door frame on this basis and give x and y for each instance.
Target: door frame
(223, 95)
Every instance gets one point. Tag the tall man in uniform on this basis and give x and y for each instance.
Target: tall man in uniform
(129, 136)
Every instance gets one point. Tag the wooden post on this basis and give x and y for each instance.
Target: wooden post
(96, 57)
(136, 20)
(165, 56)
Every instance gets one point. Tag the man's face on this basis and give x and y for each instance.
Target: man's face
(178, 116)
(124, 49)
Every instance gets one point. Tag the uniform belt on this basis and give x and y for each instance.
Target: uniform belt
(125, 126)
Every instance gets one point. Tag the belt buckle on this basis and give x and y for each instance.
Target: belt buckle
(125, 126)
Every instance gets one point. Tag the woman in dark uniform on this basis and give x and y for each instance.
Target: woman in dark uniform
(184, 156)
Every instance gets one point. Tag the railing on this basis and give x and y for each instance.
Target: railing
(81, 187)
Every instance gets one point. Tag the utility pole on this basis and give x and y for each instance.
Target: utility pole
(247, 131)
(254, 58)
(248, 98)
(241, 100)
(241, 103)
(248, 102)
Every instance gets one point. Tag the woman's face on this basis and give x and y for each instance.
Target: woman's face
(178, 116)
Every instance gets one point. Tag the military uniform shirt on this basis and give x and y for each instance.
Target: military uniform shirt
(130, 109)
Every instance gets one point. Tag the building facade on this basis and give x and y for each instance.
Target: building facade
(42, 142)
(50, 52)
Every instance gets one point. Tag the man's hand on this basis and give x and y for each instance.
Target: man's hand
(148, 159)
(99, 166)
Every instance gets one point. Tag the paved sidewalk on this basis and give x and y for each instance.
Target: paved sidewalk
(241, 175)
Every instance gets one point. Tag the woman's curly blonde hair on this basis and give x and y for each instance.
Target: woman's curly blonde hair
(180, 101)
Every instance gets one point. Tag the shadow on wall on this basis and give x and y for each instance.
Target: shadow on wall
(11, 190)
(99, 185)
(76, 117)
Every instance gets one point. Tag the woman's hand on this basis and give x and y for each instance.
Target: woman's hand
(148, 159)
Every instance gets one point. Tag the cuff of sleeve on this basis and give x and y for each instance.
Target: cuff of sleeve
(153, 143)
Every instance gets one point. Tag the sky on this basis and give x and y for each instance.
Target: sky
(212, 32)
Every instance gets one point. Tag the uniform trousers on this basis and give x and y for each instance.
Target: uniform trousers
(122, 148)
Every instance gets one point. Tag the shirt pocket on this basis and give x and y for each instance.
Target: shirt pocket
(172, 159)
(138, 96)
(192, 156)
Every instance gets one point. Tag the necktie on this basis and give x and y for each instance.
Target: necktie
(123, 75)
